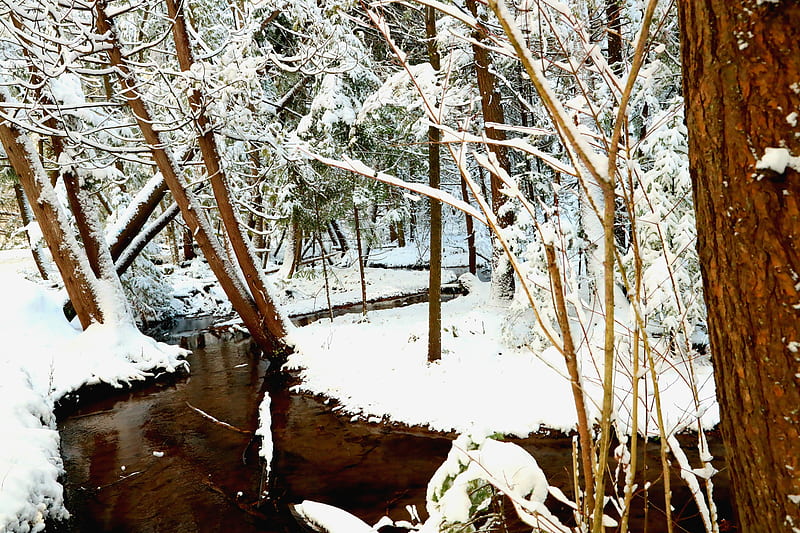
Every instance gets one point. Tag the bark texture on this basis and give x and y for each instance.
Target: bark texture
(273, 322)
(741, 65)
(434, 179)
(25, 211)
(77, 279)
(240, 299)
(492, 110)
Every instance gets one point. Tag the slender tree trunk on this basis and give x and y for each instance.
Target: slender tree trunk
(297, 251)
(173, 241)
(42, 263)
(472, 252)
(434, 177)
(492, 109)
(361, 262)
(188, 245)
(343, 246)
(213, 163)
(34, 180)
(82, 219)
(195, 219)
(614, 37)
(144, 237)
(741, 64)
(137, 219)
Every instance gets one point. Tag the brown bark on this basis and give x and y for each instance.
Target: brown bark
(82, 219)
(188, 245)
(143, 237)
(472, 252)
(434, 179)
(137, 221)
(571, 360)
(614, 39)
(27, 218)
(343, 246)
(361, 262)
(741, 65)
(492, 110)
(32, 177)
(211, 158)
(194, 217)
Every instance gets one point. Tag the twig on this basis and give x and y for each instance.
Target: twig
(217, 421)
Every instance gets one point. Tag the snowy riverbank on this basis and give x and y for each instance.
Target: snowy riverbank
(44, 358)
(377, 370)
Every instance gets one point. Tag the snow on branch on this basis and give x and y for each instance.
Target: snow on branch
(356, 166)
(451, 135)
(449, 10)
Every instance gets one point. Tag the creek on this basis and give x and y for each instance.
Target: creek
(145, 460)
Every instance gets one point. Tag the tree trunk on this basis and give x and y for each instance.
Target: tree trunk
(361, 262)
(492, 110)
(188, 245)
(195, 219)
(343, 246)
(213, 163)
(26, 162)
(741, 64)
(472, 252)
(82, 219)
(434, 179)
(143, 237)
(137, 219)
(614, 37)
(42, 262)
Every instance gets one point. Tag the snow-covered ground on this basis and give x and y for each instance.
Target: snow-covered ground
(374, 368)
(377, 370)
(44, 357)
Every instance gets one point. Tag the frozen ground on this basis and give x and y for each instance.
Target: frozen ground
(377, 370)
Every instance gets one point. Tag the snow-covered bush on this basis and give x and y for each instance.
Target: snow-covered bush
(478, 471)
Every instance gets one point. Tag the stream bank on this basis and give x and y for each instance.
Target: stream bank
(144, 460)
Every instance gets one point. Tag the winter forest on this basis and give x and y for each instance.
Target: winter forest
(403, 265)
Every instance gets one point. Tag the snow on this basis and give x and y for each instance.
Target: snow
(454, 491)
(481, 383)
(376, 369)
(44, 358)
(777, 159)
(330, 519)
(265, 432)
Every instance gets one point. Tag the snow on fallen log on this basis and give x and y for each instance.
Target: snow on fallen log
(323, 518)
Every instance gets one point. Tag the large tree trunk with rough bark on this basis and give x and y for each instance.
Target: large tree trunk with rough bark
(741, 64)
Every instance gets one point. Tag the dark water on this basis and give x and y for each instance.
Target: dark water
(209, 476)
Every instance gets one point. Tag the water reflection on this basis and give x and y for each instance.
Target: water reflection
(209, 477)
